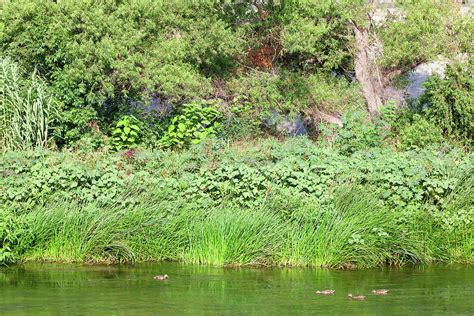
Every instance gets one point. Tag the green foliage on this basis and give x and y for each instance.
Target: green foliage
(423, 30)
(444, 112)
(74, 125)
(106, 57)
(259, 88)
(356, 230)
(243, 176)
(332, 94)
(419, 133)
(27, 109)
(448, 103)
(317, 33)
(127, 133)
(358, 132)
(10, 235)
(406, 178)
(269, 203)
(196, 122)
(242, 184)
(297, 92)
(35, 178)
(114, 51)
(241, 121)
(456, 219)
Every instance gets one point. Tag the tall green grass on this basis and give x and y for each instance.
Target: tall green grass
(457, 222)
(233, 237)
(71, 233)
(354, 230)
(25, 109)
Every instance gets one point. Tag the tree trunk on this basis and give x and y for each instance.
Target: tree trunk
(365, 71)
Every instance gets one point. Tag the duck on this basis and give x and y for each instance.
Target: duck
(326, 292)
(161, 277)
(356, 297)
(380, 292)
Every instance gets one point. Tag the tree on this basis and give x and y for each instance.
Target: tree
(366, 71)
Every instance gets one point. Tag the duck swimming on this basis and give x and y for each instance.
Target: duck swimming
(380, 292)
(161, 277)
(356, 297)
(326, 292)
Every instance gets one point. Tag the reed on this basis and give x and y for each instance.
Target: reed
(25, 109)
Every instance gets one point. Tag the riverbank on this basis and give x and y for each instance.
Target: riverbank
(286, 203)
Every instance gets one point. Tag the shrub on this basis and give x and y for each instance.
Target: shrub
(447, 103)
(195, 123)
(36, 177)
(296, 92)
(242, 184)
(316, 34)
(419, 133)
(357, 133)
(10, 236)
(242, 176)
(113, 52)
(127, 133)
(76, 124)
(261, 89)
(241, 120)
(422, 31)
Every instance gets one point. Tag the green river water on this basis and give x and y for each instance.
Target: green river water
(35, 289)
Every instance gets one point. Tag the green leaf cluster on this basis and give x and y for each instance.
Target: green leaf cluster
(196, 122)
(127, 133)
(35, 177)
(10, 233)
(246, 177)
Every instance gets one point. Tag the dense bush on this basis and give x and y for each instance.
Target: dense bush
(448, 103)
(98, 56)
(316, 34)
(31, 178)
(219, 174)
(421, 31)
(419, 133)
(295, 92)
(358, 132)
(240, 121)
(102, 59)
(118, 49)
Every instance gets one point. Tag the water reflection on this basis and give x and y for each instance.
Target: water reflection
(78, 289)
